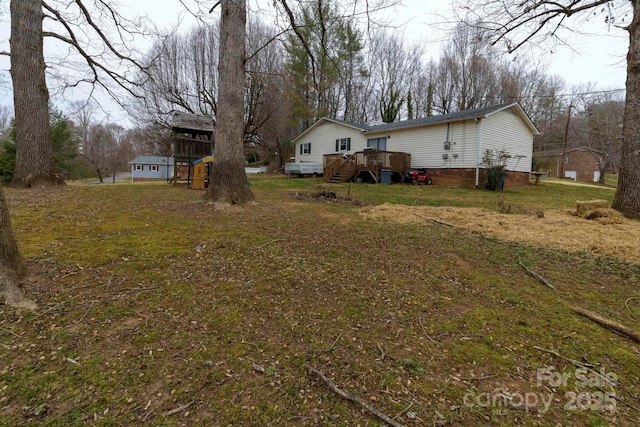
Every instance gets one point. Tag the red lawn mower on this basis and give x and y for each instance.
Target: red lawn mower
(417, 176)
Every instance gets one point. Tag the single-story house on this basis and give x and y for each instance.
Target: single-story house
(451, 146)
(580, 163)
(151, 168)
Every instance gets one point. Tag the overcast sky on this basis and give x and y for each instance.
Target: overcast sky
(597, 56)
(597, 53)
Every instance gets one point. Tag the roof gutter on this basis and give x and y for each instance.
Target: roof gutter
(479, 151)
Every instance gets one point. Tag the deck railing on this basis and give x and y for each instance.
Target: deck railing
(370, 160)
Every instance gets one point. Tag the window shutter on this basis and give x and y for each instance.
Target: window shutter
(348, 144)
(309, 149)
(300, 148)
(337, 145)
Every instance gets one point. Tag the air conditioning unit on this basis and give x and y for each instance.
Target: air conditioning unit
(445, 156)
(447, 145)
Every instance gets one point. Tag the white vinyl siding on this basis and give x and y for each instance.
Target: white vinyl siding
(505, 130)
(323, 137)
(426, 144)
(501, 130)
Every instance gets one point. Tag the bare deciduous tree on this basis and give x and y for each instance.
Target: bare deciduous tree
(516, 23)
(228, 181)
(11, 264)
(95, 42)
(604, 114)
(34, 156)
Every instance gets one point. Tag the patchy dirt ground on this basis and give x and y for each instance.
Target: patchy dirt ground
(560, 229)
(155, 309)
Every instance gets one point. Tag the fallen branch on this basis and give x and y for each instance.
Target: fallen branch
(334, 343)
(537, 276)
(626, 305)
(424, 331)
(270, 242)
(605, 380)
(178, 409)
(577, 363)
(610, 324)
(353, 398)
(437, 221)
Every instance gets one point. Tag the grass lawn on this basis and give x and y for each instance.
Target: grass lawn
(156, 310)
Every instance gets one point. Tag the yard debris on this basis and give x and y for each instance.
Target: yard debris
(604, 216)
(510, 208)
(609, 324)
(328, 196)
(40, 409)
(559, 228)
(178, 409)
(437, 221)
(537, 276)
(353, 398)
(424, 331)
(584, 206)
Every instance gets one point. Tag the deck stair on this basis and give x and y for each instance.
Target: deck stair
(342, 168)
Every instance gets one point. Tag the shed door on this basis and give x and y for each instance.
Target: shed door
(596, 176)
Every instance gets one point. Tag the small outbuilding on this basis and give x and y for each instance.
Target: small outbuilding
(151, 168)
(580, 164)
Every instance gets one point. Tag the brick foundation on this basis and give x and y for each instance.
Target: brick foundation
(467, 178)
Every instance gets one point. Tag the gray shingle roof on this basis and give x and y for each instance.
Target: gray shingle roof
(475, 113)
(151, 160)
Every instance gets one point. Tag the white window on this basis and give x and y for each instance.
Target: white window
(305, 148)
(153, 168)
(343, 144)
(138, 167)
(566, 159)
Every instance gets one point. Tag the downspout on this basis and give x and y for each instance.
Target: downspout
(479, 151)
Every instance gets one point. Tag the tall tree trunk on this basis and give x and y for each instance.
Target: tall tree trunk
(228, 180)
(11, 265)
(627, 199)
(34, 156)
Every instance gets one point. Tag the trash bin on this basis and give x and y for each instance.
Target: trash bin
(501, 179)
(385, 176)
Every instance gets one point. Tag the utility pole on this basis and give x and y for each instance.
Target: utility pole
(564, 140)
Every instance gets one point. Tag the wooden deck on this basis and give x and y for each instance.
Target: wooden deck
(367, 165)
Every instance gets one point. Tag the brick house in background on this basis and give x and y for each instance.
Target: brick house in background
(580, 164)
(151, 168)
